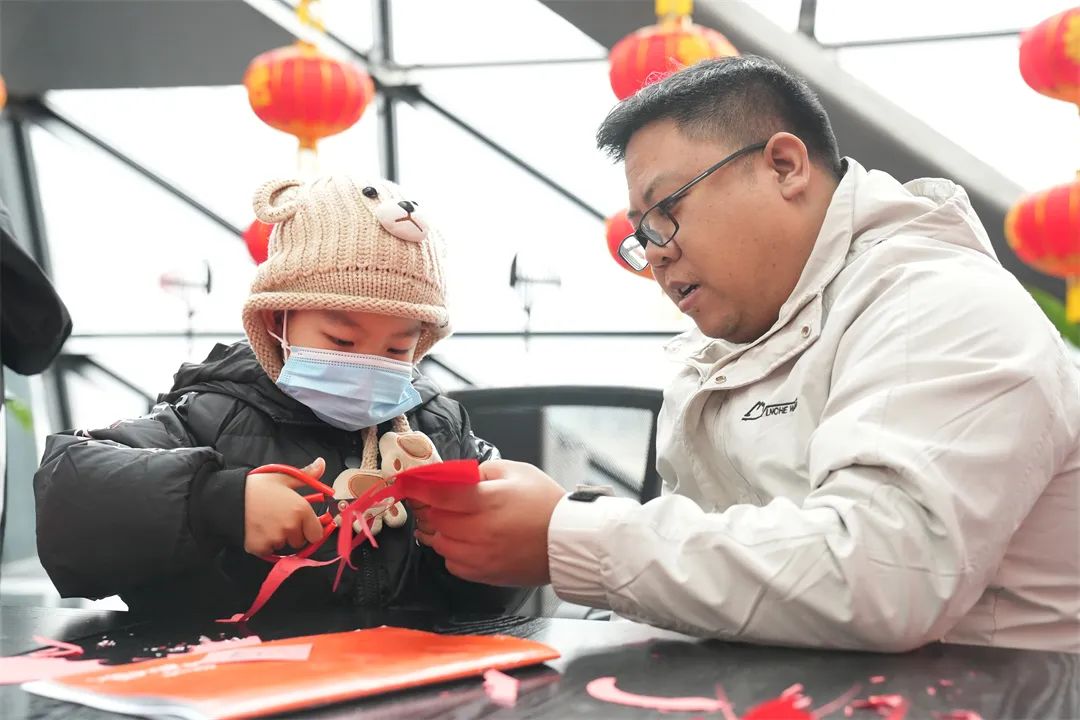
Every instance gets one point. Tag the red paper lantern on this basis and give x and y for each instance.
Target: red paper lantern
(257, 239)
(617, 227)
(1050, 56)
(1043, 229)
(654, 52)
(301, 91)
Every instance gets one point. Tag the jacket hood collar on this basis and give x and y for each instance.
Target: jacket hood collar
(867, 207)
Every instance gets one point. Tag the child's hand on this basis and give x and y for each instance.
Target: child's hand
(276, 515)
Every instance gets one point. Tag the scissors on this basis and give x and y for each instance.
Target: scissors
(325, 494)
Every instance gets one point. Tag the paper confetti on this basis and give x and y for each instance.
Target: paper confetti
(501, 688)
(604, 689)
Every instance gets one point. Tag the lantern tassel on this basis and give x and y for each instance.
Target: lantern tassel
(1072, 299)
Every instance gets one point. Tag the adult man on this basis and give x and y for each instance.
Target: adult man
(873, 441)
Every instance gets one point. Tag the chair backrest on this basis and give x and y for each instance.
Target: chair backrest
(576, 434)
(599, 434)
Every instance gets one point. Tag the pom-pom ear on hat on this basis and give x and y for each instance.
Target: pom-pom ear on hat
(276, 200)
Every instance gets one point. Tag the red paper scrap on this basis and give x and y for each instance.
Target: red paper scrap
(890, 707)
(501, 688)
(24, 668)
(55, 648)
(604, 689)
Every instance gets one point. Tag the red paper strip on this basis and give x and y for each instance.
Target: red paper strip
(891, 707)
(501, 688)
(25, 668)
(604, 689)
(55, 648)
(278, 574)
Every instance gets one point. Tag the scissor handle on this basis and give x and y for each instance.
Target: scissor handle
(300, 475)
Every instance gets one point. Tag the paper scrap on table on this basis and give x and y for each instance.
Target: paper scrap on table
(891, 707)
(604, 689)
(48, 662)
(501, 688)
(24, 668)
(55, 648)
(296, 653)
(208, 645)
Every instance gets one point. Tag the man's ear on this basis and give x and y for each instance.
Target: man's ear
(789, 160)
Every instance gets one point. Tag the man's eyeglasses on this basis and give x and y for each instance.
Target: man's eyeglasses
(658, 226)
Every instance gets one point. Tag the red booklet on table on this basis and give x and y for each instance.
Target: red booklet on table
(288, 675)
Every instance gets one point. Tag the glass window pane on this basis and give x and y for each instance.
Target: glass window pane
(436, 31)
(208, 141)
(348, 20)
(612, 360)
(148, 363)
(856, 20)
(980, 102)
(112, 236)
(489, 210)
(784, 13)
(531, 119)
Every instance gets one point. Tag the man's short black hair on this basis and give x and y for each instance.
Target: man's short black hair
(742, 100)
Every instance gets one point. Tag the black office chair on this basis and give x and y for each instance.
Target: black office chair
(577, 434)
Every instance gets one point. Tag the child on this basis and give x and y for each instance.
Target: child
(162, 510)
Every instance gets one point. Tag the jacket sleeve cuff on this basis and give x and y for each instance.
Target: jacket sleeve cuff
(216, 507)
(578, 559)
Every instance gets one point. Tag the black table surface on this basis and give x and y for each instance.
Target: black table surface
(999, 684)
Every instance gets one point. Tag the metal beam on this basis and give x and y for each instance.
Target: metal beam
(808, 18)
(79, 363)
(920, 39)
(383, 54)
(61, 44)
(482, 64)
(418, 96)
(869, 127)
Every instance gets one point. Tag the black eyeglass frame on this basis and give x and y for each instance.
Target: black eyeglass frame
(632, 248)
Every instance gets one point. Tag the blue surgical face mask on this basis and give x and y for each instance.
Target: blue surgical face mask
(347, 390)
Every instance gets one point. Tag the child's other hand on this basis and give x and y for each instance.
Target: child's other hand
(276, 515)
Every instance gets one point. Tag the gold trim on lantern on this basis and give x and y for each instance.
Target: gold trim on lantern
(1072, 299)
(674, 7)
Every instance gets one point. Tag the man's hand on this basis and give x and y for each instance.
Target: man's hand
(494, 532)
(276, 515)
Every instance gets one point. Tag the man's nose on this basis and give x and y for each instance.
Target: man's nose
(661, 256)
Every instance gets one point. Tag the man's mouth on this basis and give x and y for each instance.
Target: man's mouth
(683, 291)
